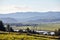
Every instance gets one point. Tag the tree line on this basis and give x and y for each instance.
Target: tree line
(8, 28)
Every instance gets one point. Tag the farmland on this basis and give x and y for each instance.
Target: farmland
(49, 27)
(21, 36)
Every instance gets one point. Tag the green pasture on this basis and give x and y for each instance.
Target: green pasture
(19, 36)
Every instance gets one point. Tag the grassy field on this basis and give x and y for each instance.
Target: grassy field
(50, 27)
(19, 36)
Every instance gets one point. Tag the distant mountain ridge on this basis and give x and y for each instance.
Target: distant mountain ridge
(32, 17)
(9, 20)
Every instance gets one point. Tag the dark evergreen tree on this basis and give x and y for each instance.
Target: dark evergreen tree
(2, 28)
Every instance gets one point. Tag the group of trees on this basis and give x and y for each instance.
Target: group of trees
(57, 32)
(2, 28)
(8, 28)
(28, 31)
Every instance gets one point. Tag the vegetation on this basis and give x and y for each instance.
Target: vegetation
(30, 34)
(57, 32)
(49, 27)
(9, 29)
(2, 28)
(23, 36)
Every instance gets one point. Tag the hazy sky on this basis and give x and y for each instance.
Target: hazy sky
(9, 6)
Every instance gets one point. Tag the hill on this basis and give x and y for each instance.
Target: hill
(31, 17)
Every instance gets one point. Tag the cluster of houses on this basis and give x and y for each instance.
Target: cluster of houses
(52, 33)
(46, 32)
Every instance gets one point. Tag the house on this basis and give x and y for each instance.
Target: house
(52, 33)
(16, 30)
(45, 33)
(42, 32)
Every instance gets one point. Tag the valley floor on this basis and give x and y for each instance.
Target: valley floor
(22, 36)
(48, 27)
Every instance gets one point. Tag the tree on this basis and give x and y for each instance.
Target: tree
(57, 32)
(28, 30)
(9, 29)
(2, 28)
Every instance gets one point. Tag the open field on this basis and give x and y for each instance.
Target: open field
(23, 36)
(49, 27)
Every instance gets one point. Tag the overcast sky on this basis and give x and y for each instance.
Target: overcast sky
(10, 6)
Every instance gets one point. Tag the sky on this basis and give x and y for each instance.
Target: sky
(11, 6)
